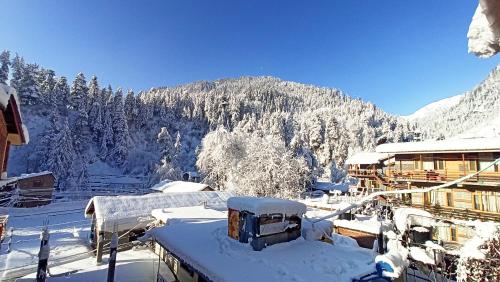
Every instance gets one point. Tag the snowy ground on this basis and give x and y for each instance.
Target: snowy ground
(68, 236)
(132, 265)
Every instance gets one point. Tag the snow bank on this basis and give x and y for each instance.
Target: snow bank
(367, 158)
(260, 206)
(135, 211)
(449, 145)
(405, 217)
(421, 255)
(167, 186)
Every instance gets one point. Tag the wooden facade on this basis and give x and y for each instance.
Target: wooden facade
(472, 199)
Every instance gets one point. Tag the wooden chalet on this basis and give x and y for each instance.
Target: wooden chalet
(416, 165)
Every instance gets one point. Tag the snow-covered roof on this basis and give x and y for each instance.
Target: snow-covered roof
(202, 243)
(259, 206)
(369, 225)
(329, 186)
(168, 215)
(484, 29)
(135, 211)
(167, 186)
(30, 175)
(444, 146)
(367, 158)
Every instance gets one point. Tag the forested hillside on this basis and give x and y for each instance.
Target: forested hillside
(474, 113)
(262, 130)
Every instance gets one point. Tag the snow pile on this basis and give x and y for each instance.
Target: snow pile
(396, 257)
(260, 206)
(316, 231)
(167, 186)
(483, 35)
(421, 255)
(483, 231)
(406, 217)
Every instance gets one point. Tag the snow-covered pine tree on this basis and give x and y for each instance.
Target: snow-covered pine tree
(47, 87)
(95, 110)
(106, 140)
(60, 153)
(120, 130)
(61, 94)
(17, 71)
(79, 93)
(130, 107)
(25, 81)
(4, 66)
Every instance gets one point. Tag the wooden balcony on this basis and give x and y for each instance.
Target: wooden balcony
(490, 178)
(363, 173)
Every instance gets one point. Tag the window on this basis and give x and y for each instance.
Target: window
(471, 165)
(440, 164)
(477, 202)
(453, 234)
(449, 199)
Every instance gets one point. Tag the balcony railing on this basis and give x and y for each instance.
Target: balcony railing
(443, 175)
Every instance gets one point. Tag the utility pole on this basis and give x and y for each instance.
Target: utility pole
(43, 256)
(112, 257)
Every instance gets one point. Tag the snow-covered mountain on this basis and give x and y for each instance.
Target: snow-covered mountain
(473, 113)
(85, 131)
(435, 107)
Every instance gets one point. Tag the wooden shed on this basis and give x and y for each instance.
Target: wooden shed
(35, 189)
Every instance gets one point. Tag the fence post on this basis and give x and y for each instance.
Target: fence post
(43, 256)
(112, 257)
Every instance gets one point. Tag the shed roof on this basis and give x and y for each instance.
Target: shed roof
(127, 212)
(367, 158)
(443, 146)
(167, 186)
(262, 205)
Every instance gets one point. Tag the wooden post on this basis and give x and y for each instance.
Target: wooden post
(112, 257)
(100, 242)
(43, 256)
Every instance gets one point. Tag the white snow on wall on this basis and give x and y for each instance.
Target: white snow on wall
(260, 206)
(484, 37)
(135, 211)
(367, 158)
(167, 186)
(448, 145)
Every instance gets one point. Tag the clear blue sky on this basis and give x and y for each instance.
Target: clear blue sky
(396, 54)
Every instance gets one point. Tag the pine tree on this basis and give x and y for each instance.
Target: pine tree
(120, 130)
(79, 93)
(93, 91)
(27, 87)
(47, 87)
(130, 107)
(95, 109)
(60, 153)
(4, 67)
(61, 94)
(106, 140)
(17, 71)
